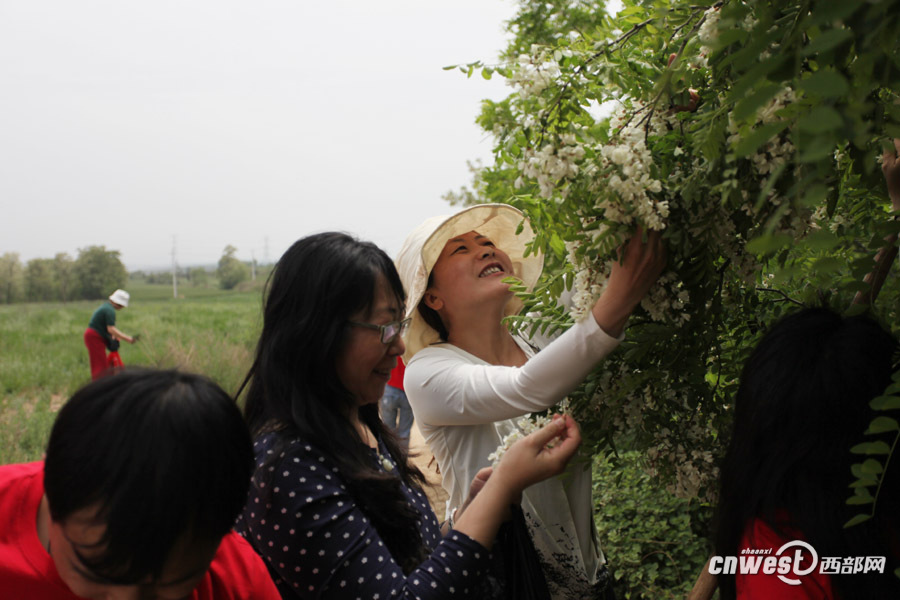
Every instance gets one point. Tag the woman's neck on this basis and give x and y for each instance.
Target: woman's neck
(483, 334)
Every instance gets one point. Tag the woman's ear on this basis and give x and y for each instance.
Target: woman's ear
(432, 301)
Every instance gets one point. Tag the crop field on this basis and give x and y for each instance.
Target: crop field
(43, 359)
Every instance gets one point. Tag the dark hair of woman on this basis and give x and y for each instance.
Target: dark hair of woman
(803, 402)
(431, 317)
(294, 388)
(161, 454)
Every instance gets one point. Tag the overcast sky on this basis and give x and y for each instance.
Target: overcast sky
(125, 123)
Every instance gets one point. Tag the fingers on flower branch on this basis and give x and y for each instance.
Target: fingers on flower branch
(540, 455)
(640, 265)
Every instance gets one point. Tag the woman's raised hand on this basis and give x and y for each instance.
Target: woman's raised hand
(630, 280)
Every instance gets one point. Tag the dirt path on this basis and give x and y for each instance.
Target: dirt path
(436, 494)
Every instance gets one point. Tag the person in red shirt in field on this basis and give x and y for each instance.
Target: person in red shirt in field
(102, 334)
(144, 475)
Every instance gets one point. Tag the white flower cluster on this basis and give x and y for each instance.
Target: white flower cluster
(684, 454)
(693, 469)
(630, 181)
(532, 73)
(524, 426)
(666, 299)
(709, 31)
(590, 280)
(550, 165)
(779, 149)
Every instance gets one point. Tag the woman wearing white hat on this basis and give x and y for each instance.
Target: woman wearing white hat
(469, 378)
(102, 334)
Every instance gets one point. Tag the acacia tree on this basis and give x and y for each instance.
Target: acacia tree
(749, 133)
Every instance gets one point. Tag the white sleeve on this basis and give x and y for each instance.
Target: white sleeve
(445, 389)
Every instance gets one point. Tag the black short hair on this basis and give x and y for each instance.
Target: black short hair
(160, 454)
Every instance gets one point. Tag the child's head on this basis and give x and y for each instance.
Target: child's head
(145, 473)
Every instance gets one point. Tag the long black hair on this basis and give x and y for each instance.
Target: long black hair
(802, 403)
(160, 455)
(294, 388)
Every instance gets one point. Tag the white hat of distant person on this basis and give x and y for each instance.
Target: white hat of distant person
(120, 297)
(423, 246)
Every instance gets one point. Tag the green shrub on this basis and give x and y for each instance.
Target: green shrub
(655, 544)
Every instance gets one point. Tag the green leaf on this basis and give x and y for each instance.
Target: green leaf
(858, 500)
(449, 67)
(878, 447)
(749, 105)
(813, 196)
(871, 467)
(882, 424)
(826, 83)
(767, 244)
(861, 495)
(816, 149)
(820, 119)
(821, 240)
(558, 246)
(747, 145)
(857, 520)
(827, 264)
(827, 40)
(730, 36)
(487, 73)
(828, 12)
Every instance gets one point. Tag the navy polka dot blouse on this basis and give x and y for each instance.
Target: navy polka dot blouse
(317, 543)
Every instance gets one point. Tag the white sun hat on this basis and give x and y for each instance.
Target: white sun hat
(424, 245)
(120, 297)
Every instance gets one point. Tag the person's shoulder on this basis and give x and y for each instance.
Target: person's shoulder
(436, 353)
(12, 475)
(236, 573)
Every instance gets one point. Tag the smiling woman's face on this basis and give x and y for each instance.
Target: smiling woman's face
(81, 534)
(469, 272)
(365, 364)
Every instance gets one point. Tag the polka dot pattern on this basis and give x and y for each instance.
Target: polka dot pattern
(317, 543)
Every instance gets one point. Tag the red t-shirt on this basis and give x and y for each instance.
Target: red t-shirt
(759, 535)
(27, 571)
(397, 375)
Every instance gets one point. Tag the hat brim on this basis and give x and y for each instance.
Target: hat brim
(424, 245)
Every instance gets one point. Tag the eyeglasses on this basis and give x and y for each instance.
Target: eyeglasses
(389, 331)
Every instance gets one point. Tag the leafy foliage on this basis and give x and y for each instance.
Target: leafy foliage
(870, 473)
(748, 132)
(231, 271)
(98, 272)
(654, 541)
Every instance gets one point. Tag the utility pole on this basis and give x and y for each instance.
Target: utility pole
(266, 250)
(253, 265)
(174, 271)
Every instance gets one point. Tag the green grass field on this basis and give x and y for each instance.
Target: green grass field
(43, 359)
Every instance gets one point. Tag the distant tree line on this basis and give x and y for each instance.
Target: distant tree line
(94, 274)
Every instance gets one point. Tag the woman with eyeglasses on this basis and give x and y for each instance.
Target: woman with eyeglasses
(335, 508)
